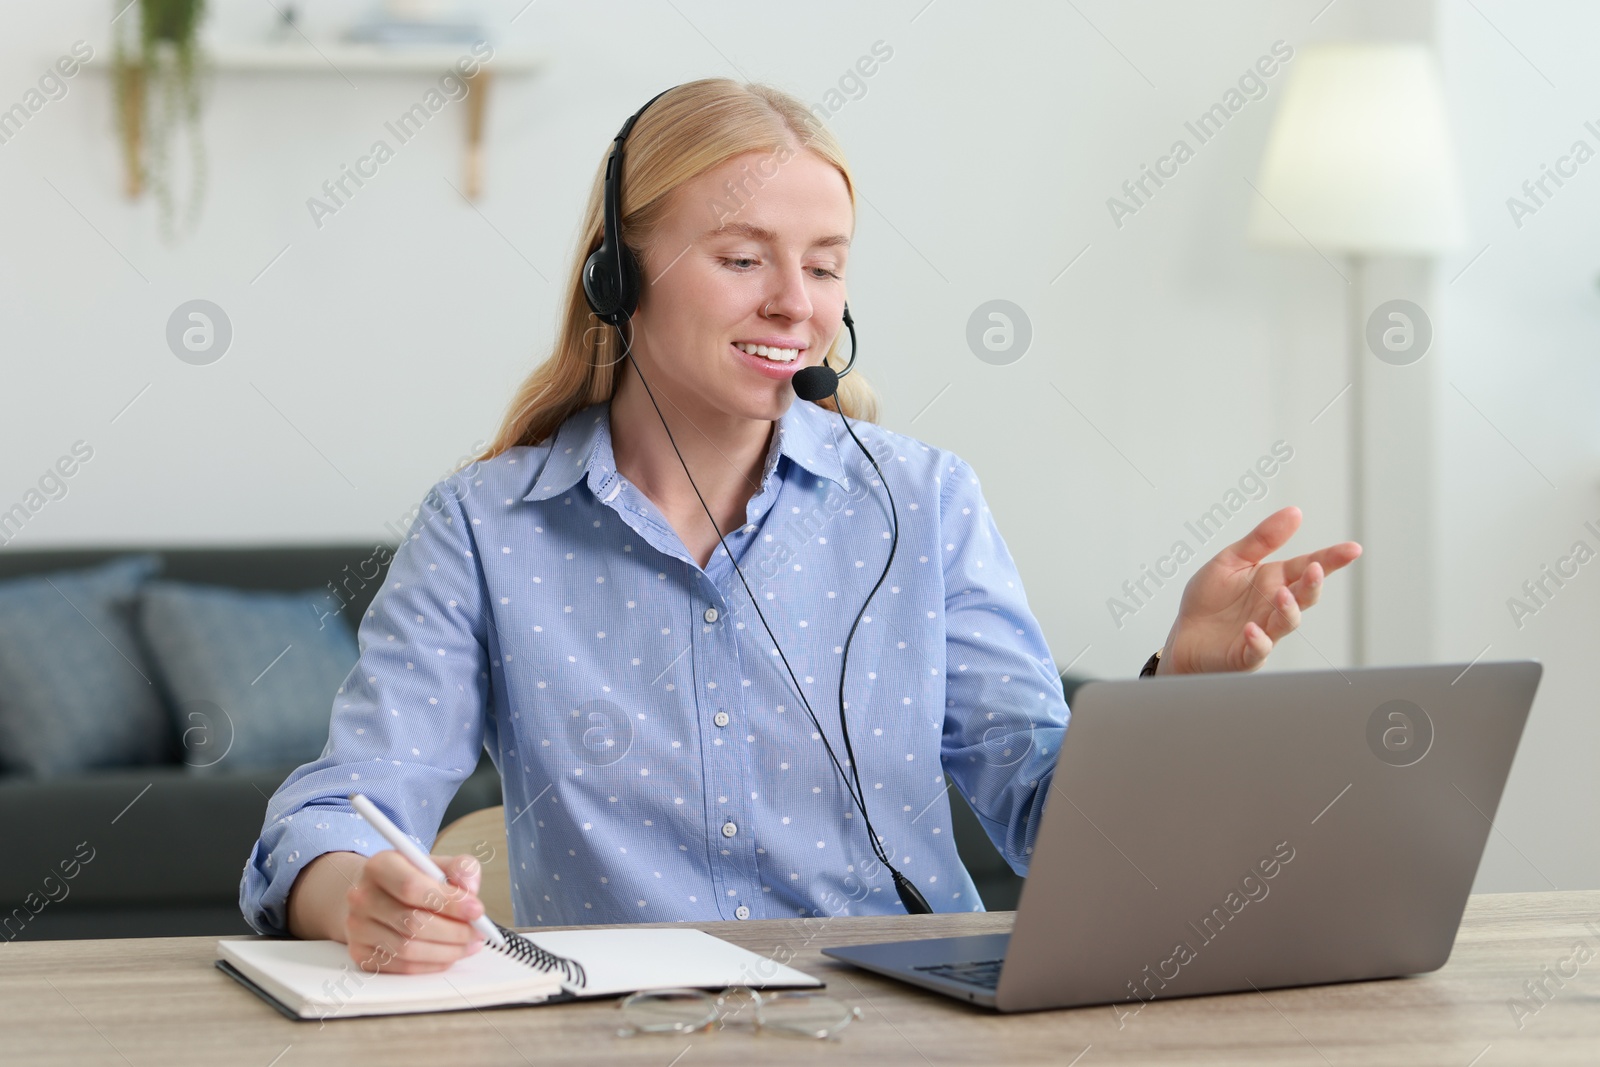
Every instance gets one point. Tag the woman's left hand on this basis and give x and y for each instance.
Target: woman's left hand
(1237, 607)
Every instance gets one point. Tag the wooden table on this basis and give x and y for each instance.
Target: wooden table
(159, 1001)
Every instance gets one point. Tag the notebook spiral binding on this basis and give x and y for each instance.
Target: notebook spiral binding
(524, 950)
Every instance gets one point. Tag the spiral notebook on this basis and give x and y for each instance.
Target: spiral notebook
(318, 979)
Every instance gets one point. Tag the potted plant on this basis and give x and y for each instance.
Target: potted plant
(156, 81)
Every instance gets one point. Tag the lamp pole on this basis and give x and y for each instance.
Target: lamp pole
(1356, 330)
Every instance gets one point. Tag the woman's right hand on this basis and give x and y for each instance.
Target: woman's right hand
(393, 918)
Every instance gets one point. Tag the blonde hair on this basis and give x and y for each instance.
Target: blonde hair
(691, 129)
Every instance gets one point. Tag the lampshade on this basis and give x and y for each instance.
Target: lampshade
(1360, 157)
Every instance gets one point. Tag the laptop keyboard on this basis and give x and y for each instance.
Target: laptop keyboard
(985, 974)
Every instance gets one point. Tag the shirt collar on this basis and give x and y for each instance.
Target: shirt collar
(582, 446)
(572, 451)
(809, 435)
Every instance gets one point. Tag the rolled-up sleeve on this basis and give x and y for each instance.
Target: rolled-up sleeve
(1005, 714)
(408, 723)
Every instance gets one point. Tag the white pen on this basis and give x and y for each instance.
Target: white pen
(420, 859)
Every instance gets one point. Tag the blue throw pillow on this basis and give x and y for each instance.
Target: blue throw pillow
(250, 676)
(75, 688)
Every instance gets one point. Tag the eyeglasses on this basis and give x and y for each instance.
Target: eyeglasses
(681, 1011)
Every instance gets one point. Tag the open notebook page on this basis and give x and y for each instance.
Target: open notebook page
(317, 979)
(625, 961)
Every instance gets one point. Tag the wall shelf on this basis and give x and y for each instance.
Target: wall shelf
(298, 57)
(333, 57)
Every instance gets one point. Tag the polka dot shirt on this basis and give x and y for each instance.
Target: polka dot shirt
(657, 761)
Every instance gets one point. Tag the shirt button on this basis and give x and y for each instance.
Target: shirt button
(711, 615)
(720, 718)
(729, 829)
(741, 912)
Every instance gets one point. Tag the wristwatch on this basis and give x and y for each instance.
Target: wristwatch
(1150, 665)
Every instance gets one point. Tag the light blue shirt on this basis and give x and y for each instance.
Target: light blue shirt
(656, 762)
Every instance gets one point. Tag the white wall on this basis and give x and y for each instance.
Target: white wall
(1519, 475)
(985, 150)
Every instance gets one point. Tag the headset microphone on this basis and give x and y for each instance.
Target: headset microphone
(820, 382)
(611, 285)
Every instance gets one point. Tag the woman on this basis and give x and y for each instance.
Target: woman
(668, 751)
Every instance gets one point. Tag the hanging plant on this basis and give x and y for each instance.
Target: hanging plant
(158, 92)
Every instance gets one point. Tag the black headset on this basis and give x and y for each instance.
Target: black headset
(611, 284)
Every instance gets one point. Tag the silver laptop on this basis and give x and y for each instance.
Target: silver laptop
(1225, 832)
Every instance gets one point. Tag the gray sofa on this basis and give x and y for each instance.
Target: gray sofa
(166, 846)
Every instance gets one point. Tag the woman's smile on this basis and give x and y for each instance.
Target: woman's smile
(777, 355)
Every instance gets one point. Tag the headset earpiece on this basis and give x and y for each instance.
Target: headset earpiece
(609, 299)
(611, 274)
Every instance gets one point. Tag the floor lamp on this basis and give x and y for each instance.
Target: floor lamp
(1359, 164)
